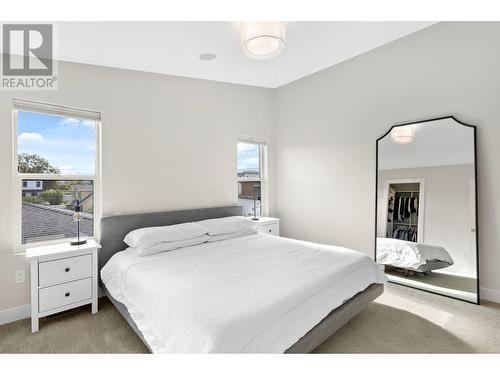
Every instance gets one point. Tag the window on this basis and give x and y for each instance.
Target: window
(49, 215)
(57, 163)
(52, 144)
(251, 172)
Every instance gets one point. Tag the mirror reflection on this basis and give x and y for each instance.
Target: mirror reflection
(426, 207)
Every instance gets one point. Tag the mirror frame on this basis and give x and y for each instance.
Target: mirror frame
(476, 213)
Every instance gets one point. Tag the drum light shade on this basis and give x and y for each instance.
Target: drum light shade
(403, 134)
(262, 40)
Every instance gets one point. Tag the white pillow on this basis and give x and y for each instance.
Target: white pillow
(168, 246)
(227, 236)
(146, 237)
(225, 225)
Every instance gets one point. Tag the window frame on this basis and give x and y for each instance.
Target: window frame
(263, 179)
(17, 177)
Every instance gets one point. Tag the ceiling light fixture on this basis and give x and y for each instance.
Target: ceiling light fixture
(403, 134)
(262, 40)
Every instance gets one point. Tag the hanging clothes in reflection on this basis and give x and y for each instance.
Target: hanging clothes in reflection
(402, 211)
(414, 205)
(405, 232)
(401, 208)
(406, 213)
(395, 212)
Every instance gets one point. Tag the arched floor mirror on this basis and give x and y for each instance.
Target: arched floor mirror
(426, 207)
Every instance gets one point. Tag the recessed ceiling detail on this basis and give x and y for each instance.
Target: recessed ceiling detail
(207, 56)
(174, 47)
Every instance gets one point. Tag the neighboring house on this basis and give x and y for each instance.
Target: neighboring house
(246, 192)
(32, 188)
(247, 189)
(84, 193)
(248, 173)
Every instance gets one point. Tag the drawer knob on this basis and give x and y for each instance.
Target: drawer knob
(269, 230)
(66, 294)
(66, 269)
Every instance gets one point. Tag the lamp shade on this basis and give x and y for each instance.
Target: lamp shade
(262, 40)
(403, 134)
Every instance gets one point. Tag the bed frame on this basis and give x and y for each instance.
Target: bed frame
(114, 229)
(424, 270)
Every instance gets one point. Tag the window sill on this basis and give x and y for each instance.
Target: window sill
(21, 250)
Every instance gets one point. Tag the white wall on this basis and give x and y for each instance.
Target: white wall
(447, 213)
(167, 143)
(327, 125)
(322, 149)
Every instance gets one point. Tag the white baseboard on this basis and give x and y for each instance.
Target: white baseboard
(490, 295)
(23, 312)
(16, 313)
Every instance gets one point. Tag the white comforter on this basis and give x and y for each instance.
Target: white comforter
(257, 293)
(406, 254)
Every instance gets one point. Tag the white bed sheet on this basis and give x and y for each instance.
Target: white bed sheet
(406, 254)
(252, 294)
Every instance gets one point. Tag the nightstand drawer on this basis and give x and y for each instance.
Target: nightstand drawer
(270, 229)
(62, 270)
(56, 296)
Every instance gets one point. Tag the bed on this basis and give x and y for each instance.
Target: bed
(410, 256)
(256, 293)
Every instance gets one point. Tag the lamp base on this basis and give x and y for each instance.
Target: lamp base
(75, 243)
(255, 218)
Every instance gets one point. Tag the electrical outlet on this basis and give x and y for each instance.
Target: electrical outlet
(20, 276)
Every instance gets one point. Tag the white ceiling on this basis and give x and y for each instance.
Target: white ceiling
(174, 47)
(436, 143)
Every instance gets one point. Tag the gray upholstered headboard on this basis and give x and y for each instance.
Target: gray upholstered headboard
(114, 228)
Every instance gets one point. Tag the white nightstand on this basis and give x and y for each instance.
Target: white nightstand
(269, 225)
(62, 277)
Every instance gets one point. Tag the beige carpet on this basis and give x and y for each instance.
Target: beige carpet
(402, 320)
